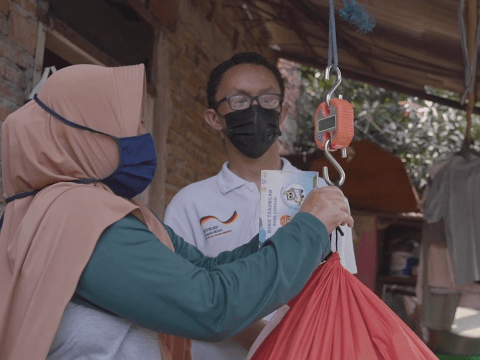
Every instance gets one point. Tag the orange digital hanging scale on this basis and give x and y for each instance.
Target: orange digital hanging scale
(335, 123)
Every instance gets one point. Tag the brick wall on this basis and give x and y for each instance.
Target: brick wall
(18, 39)
(187, 48)
(206, 34)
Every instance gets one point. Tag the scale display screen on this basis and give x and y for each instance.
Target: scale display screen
(326, 123)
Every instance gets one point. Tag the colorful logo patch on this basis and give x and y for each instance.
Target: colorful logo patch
(285, 219)
(293, 195)
(232, 219)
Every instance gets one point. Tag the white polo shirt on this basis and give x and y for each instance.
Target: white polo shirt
(220, 214)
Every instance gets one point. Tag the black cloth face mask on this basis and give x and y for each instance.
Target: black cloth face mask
(252, 131)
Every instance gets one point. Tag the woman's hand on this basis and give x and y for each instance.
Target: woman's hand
(328, 205)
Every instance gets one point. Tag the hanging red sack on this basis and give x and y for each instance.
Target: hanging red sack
(336, 317)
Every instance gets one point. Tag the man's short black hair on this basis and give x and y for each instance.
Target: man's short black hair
(237, 59)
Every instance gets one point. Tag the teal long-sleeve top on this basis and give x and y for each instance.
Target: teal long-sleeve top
(133, 275)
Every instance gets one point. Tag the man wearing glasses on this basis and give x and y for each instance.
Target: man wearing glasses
(222, 213)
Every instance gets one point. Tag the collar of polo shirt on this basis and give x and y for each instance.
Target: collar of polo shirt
(228, 181)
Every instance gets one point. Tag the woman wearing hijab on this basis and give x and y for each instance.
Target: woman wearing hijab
(86, 272)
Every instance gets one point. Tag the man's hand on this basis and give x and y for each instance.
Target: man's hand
(328, 205)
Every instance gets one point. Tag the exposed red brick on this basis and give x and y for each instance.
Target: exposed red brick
(170, 192)
(10, 72)
(189, 40)
(187, 173)
(201, 105)
(176, 180)
(29, 5)
(193, 84)
(23, 31)
(6, 110)
(4, 25)
(11, 92)
(225, 26)
(171, 164)
(176, 151)
(206, 137)
(192, 164)
(5, 6)
(180, 127)
(180, 144)
(166, 11)
(173, 47)
(11, 50)
(195, 139)
(203, 54)
(185, 61)
(207, 7)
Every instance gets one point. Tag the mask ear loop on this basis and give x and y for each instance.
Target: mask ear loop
(65, 121)
(81, 127)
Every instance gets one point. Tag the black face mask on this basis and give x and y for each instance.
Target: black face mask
(252, 131)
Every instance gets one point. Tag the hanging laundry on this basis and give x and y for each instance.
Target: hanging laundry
(335, 316)
(454, 196)
(436, 293)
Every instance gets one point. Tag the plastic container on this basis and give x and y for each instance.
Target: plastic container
(401, 263)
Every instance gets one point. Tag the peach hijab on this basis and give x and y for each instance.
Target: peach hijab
(47, 239)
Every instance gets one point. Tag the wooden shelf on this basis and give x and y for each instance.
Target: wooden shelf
(407, 281)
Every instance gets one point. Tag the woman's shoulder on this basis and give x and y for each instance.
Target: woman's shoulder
(75, 194)
(128, 227)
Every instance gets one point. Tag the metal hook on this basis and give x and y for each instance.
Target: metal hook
(335, 84)
(335, 164)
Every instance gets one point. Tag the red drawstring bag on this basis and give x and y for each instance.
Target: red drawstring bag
(336, 317)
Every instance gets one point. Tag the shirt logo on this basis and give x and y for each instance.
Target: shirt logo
(232, 219)
(216, 230)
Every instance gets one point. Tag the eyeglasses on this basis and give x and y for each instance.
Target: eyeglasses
(242, 102)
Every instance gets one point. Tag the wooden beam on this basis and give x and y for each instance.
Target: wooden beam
(416, 17)
(408, 91)
(399, 74)
(411, 76)
(39, 53)
(296, 28)
(166, 11)
(412, 50)
(380, 83)
(68, 51)
(315, 15)
(471, 37)
(442, 54)
(72, 47)
(145, 13)
(159, 13)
